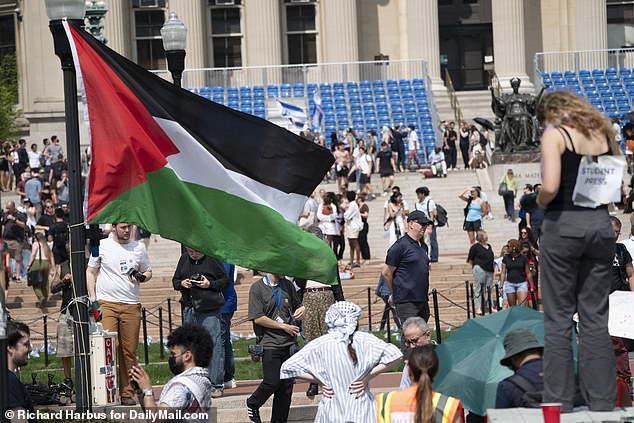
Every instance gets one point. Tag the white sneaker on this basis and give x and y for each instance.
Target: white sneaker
(231, 384)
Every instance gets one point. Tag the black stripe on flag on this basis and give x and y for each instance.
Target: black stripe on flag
(242, 142)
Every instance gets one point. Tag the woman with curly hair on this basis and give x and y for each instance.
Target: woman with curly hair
(577, 247)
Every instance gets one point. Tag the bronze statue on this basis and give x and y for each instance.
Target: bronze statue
(516, 125)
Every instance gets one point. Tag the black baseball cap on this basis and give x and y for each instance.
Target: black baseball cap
(418, 216)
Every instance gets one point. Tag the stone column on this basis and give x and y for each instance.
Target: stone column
(508, 42)
(264, 48)
(592, 33)
(421, 20)
(193, 13)
(117, 28)
(339, 35)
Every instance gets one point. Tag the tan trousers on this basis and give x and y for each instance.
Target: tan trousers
(125, 319)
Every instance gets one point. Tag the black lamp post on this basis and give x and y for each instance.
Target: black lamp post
(174, 34)
(74, 11)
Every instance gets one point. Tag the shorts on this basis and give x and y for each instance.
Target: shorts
(386, 172)
(412, 154)
(343, 171)
(512, 288)
(14, 248)
(472, 226)
(364, 179)
(352, 232)
(64, 337)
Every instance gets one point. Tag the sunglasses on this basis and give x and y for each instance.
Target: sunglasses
(414, 341)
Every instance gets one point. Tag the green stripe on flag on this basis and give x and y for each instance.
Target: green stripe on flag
(222, 225)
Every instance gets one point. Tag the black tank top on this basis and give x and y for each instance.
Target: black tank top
(570, 161)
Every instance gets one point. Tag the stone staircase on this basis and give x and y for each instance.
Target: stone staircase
(448, 275)
(472, 103)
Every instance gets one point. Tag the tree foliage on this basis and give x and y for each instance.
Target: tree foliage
(8, 96)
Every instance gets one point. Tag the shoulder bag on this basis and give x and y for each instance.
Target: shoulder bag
(35, 277)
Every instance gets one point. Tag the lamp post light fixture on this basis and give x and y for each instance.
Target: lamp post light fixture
(95, 12)
(74, 12)
(174, 34)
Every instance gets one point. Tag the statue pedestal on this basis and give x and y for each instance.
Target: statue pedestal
(525, 165)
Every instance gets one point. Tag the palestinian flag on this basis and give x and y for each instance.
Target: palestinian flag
(226, 183)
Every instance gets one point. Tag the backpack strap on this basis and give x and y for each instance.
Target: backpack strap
(522, 383)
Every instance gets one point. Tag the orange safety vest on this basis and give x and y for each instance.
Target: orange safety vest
(400, 407)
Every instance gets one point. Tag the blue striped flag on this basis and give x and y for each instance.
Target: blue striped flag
(296, 114)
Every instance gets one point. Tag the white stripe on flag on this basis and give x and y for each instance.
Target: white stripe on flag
(294, 113)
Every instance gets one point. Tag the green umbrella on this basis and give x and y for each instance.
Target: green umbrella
(470, 366)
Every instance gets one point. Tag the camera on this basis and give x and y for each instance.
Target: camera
(140, 277)
(256, 351)
(196, 278)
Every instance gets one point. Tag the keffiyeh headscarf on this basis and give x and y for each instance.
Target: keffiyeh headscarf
(342, 318)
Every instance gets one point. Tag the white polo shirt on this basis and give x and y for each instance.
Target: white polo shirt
(114, 262)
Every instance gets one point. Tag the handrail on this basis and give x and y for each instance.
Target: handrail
(453, 97)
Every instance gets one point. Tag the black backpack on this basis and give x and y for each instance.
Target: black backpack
(441, 217)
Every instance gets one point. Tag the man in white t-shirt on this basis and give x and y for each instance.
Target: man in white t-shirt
(428, 206)
(412, 143)
(113, 279)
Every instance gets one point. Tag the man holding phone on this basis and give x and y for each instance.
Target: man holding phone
(201, 280)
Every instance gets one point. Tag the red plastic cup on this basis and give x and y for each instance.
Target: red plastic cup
(552, 412)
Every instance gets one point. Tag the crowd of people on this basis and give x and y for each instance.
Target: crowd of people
(563, 247)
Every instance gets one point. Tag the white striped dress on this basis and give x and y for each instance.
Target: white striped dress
(327, 359)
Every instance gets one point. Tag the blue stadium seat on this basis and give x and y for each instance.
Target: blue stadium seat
(611, 71)
(338, 91)
(590, 87)
(215, 90)
(625, 71)
(407, 95)
(600, 80)
(619, 91)
(556, 74)
(340, 99)
(365, 97)
(353, 91)
(218, 98)
(605, 93)
(613, 78)
(380, 98)
(272, 90)
(233, 104)
(285, 90)
(298, 90)
(352, 84)
(623, 107)
(586, 80)
(364, 83)
(603, 86)
(377, 83)
(598, 72)
(397, 109)
(570, 74)
(584, 72)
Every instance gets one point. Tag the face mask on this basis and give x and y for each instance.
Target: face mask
(175, 368)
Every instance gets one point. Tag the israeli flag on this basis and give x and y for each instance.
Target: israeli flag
(296, 114)
(317, 119)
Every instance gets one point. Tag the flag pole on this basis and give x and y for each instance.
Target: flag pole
(83, 386)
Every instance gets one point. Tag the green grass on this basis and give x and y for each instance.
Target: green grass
(159, 371)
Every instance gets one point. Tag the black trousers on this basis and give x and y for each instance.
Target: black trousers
(339, 246)
(452, 158)
(464, 149)
(363, 242)
(407, 310)
(271, 384)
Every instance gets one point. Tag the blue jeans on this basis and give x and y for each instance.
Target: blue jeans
(226, 337)
(212, 322)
